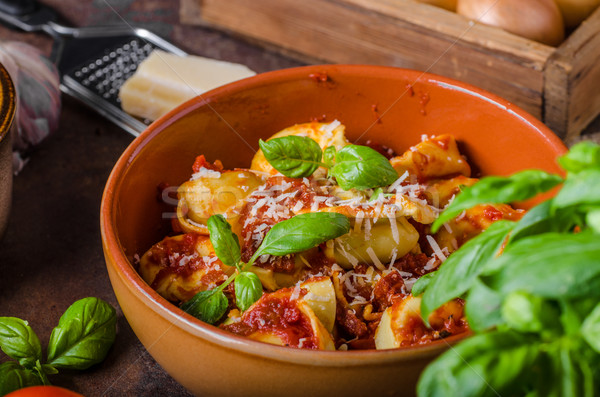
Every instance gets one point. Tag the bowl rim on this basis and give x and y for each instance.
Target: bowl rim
(7, 102)
(117, 259)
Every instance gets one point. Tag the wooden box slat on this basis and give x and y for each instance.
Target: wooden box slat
(557, 85)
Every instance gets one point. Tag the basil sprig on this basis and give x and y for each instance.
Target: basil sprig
(296, 234)
(532, 290)
(354, 166)
(82, 338)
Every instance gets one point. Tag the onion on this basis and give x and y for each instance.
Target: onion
(538, 20)
(447, 4)
(575, 11)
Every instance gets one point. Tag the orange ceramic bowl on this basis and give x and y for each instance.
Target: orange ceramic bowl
(388, 105)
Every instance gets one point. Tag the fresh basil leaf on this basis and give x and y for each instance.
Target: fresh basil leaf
(572, 379)
(224, 241)
(482, 307)
(208, 306)
(456, 275)
(489, 364)
(578, 189)
(360, 167)
(293, 156)
(248, 289)
(49, 369)
(39, 370)
(592, 219)
(551, 265)
(541, 219)
(581, 156)
(590, 329)
(13, 377)
(495, 189)
(19, 341)
(527, 313)
(422, 284)
(329, 156)
(84, 334)
(302, 232)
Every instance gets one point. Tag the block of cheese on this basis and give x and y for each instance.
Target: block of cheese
(164, 81)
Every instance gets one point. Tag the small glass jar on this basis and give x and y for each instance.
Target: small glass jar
(7, 114)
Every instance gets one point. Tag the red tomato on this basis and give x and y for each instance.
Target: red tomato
(43, 391)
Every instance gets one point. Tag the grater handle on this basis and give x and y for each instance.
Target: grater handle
(27, 15)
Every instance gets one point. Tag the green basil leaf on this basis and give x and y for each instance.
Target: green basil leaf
(208, 306)
(574, 378)
(592, 219)
(482, 307)
(14, 377)
(422, 284)
(527, 313)
(590, 329)
(360, 167)
(224, 241)
(329, 156)
(541, 219)
(456, 275)
(490, 364)
(495, 189)
(551, 265)
(293, 156)
(248, 289)
(302, 232)
(84, 334)
(581, 156)
(19, 341)
(49, 369)
(579, 189)
(39, 370)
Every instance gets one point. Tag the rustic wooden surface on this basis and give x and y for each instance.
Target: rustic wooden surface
(51, 254)
(419, 36)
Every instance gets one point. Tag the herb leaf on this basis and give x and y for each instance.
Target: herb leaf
(488, 364)
(248, 289)
(329, 156)
(542, 219)
(495, 189)
(293, 156)
(84, 334)
(14, 376)
(208, 306)
(580, 188)
(302, 232)
(576, 274)
(224, 241)
(591, 329)
(483, 307)
(581, 156)
(19, 341)
(457, 274)
(361, 167)
(527, 313)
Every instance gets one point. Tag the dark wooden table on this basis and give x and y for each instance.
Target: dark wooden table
(51, 254)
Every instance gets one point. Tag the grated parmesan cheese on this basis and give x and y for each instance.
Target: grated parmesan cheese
(436, 248)
(375, 259)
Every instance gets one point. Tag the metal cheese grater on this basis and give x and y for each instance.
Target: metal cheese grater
(93, 62)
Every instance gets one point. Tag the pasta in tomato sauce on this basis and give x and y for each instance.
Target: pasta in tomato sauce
(350, 292)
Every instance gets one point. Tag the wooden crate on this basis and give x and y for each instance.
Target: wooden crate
(560, 86)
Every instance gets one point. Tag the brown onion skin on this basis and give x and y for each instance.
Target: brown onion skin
(447, 4)
(538, 20)
(575, 11)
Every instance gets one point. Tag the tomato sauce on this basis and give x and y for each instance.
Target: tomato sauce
(279, 315)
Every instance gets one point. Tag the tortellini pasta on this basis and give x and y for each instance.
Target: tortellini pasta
(351, 292)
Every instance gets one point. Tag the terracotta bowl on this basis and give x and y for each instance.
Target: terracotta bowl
(7, 113)
(388, 105)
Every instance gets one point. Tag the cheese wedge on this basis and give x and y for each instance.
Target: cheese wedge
(163, 81)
